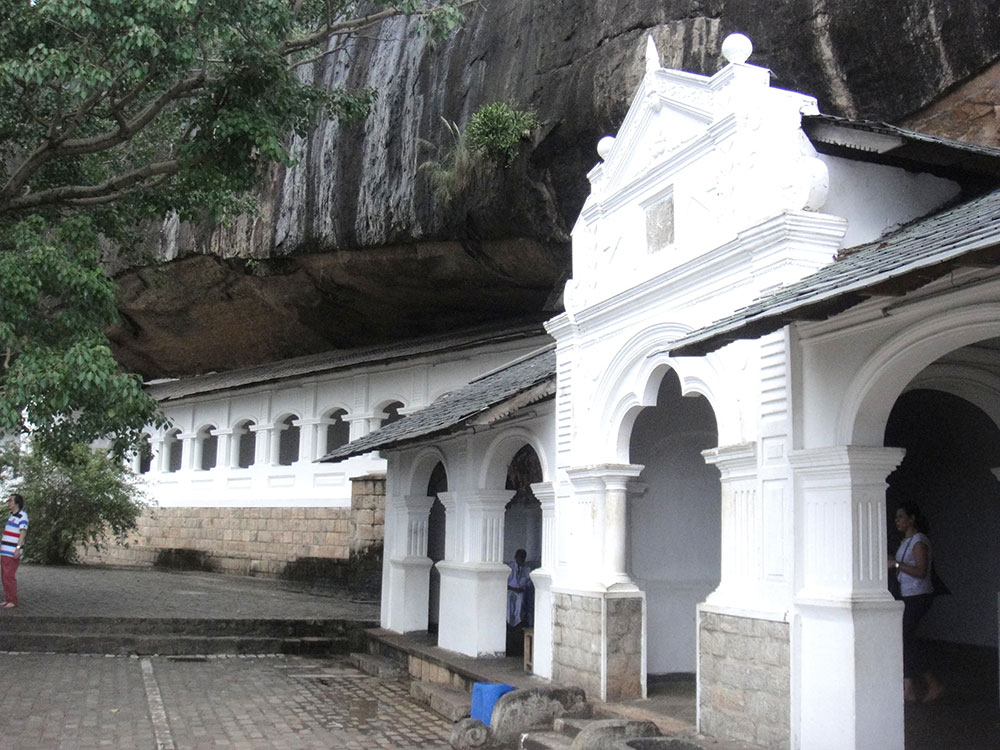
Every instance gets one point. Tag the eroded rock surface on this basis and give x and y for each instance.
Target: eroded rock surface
(350, 247)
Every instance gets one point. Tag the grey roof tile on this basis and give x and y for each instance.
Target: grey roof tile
(533, 374)
(342, 359)
(901, 260)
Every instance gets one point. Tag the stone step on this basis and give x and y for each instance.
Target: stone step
(146, 644)
(451, 703)
(378, 666)
(545, 741)
(182, 626)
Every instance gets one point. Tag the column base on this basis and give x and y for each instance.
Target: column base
(473, 608)
(408, 594)
(851, 656)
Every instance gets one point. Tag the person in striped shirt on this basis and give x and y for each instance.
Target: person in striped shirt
(11, 548)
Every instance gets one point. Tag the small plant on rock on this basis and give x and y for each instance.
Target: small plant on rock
(497, 131)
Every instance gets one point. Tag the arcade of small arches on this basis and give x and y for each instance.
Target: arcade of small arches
(248, 443)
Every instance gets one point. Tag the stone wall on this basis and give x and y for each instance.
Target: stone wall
(576, 641)
(624, 648)
(744, 674)
(580, 626)
(254, 541)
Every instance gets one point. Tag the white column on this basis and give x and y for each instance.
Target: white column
(187, 445)
(262, 445)
(361, 424)
(606, 488)
(224, 450)
(850, 666)
(156, 463)
(312, 438)
(473, 575)
(406, 599)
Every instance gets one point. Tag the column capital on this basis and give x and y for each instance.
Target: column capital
(598, 477)
(845, 461)
(545, 493)
(733, 461)
(419, 503)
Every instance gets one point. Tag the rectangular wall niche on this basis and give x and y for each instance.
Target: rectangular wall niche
(660, 223)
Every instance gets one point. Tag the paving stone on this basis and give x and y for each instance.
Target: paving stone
(78, 702)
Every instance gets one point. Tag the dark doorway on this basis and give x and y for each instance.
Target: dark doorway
(952, 450)
(436, 543)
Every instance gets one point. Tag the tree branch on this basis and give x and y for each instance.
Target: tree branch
(51, 149)
(77, 194)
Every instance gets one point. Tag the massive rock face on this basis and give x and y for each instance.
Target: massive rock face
(350, 247)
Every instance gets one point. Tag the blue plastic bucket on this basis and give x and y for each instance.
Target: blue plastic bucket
(484, 695)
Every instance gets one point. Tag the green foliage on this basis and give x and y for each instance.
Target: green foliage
(114, 113)
(456, 171)
(497, 130)
(82, 496)
(58, 377)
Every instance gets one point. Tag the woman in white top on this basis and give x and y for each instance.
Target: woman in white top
(912, 566)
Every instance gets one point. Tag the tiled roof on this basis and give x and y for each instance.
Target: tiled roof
(897, 262)
(341, 359)
(973, 165)
(493, 396)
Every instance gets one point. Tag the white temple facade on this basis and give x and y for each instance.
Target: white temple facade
(708, 444)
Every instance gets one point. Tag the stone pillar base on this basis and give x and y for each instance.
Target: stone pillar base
(599, 643)
(744, 678)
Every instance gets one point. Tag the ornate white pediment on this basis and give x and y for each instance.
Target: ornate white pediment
(698, 159)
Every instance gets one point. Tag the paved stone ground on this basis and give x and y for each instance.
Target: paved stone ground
(45, 591)
(84, 702)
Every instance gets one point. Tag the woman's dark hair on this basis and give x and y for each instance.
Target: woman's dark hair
(911, 509)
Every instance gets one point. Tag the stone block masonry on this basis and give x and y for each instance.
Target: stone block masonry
(744, 674)
(254, 541)
(597, 644)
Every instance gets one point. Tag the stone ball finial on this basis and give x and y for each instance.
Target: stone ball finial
(737, 48)
(604, 147)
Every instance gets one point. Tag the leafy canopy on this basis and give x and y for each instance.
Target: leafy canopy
(120, 111)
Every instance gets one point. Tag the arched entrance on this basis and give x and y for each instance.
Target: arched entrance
(522, 530)
(435, 543)
(952, 455)
(674, 528)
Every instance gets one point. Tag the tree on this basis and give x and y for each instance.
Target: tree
(83, 496)
(115, 113)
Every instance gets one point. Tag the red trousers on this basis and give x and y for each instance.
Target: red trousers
(8, 569)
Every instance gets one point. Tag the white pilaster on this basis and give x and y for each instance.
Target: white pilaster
(741, 528)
